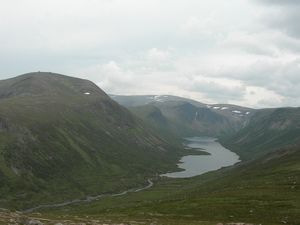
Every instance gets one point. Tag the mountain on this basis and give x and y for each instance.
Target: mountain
(266, 131)
(185, 117)
(140, 100)
(249, 132)
(63, 137)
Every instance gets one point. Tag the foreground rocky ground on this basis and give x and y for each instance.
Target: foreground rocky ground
(14, 218)
(19, 218)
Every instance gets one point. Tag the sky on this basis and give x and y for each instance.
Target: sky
(244, 52)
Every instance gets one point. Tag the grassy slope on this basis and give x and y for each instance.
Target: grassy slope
(268, 130)
(58, 143)
(265, 191)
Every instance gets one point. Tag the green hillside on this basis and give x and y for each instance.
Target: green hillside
(268, 130)
(63, 137)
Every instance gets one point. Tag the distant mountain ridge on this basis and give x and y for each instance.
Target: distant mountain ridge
(186, 117)
(267, 130)
(140, 100)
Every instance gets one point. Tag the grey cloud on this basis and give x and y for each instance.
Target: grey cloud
(284, 16)
(153, 47)
(218, 92)
(280, 2)
(287, 21)
(280, 77)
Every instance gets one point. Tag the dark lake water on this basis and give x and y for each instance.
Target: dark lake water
(194, 165)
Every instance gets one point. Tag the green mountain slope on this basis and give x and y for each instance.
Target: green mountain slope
(267, 130)
(62, 137)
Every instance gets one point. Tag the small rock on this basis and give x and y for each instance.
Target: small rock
(34, 222)
(11, 220)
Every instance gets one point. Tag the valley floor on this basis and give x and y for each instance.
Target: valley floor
(262, 192)
(265, 191)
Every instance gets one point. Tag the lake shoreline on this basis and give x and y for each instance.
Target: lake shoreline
(210, 156)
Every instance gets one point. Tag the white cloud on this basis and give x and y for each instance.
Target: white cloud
(156, 55)
(214, 51)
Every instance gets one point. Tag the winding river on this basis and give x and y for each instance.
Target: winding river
(88, 198)
(194, 165)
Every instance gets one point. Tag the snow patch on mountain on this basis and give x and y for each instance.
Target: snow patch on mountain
(236, 111)
(223, 108)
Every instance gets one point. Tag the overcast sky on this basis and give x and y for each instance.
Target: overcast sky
(243, 52)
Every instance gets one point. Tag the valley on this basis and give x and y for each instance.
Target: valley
(262, 192)
(212, 157)
(70, 156)
(136, 112)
